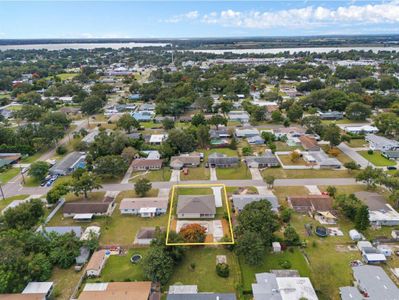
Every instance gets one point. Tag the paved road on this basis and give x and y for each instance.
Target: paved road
(12, 190)
(354, 155)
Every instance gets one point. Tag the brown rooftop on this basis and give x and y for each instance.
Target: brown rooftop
(308, 142)
(86, 207)
(96, 260)
(139, 290)
(146, 162)
(317, 202)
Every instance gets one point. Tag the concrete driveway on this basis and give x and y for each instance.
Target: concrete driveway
(213, 174)
(354, 155)
(217, 192)
(175, 175)
(255, 173)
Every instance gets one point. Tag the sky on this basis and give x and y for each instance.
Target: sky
(185, 18)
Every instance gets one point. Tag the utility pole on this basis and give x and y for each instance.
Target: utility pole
(22, 174)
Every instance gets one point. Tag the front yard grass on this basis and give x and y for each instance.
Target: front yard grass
(153, 176)
(272, 261)
(282, 192)
(4, 203)
(9, 174)
(356, 143)
(194, 191)
(200, 173)
(240, 172)
(204, 274)
(377, 159)
(342, 157)
(308, 173)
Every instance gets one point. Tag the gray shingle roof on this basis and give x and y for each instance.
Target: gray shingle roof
(202, 296)
(241, 200)
(196, 204)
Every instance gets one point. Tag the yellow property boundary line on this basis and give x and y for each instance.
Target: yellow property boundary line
(204, 243)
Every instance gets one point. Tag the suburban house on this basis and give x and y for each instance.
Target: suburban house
(289, 132)
(239, 201)
(185, 160)
(220, 160)
(7, 159)
(384, 217)
(373, 283)
(272, 286)
(311, 203)
(68, 164)
(145, 235)
(391, 154)
(381, 143)
(144, 207)
(309, 143)
(157, 139)
(365, 129)
(246, 132)
(221, 133)
(370, 254)
(96, 263)
(138, 290)
(151, 154)
(196, 207)
(322, 159)
(146, 164)
(331, 115)
(262, 161)
(256, 140)
(238, 115)
(87, 209)
(33, 291)
(147, 107)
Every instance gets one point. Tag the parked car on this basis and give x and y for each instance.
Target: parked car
(392, 168)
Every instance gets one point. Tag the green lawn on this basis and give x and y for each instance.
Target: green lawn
(272, 262)
(200, 173)
(309, 173)
(281, 146)
(4, 203)
(194, 191)
(233, 189)
(377, 159)
(342, 157)
(149, 125)
(204, 274)
(65, 281)
(64, 76)
(241, 172)
(227, 151)
(9, 174)
(119, 268)
(343, 121)
(153, 176)
(286, 160)
(357, 143)
(282, 192)
(31, 182)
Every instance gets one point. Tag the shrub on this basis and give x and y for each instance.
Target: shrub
(285, 264)
(223, 270)
(61, 150)
(370, 152)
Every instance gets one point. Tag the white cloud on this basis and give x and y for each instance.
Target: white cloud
(191, 15)
(307, 17)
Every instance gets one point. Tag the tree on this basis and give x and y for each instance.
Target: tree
(357, 111)
(291, 236)
(268, 137)
(57, 192)
(351, 165)
(92, 105)
(270, 180)
(38, 170)
(362, 221)
(294, 156)
(370, 176)
(61, 150)
(24, 216)
(142, 186)
(111, 166)
(285, 214)
(313, 124)
(158, 265)
(127, 122)
(387, 124)
(348, 205)
(223, 270)
(251, 247)
(168, 123)
(128, 154)
(217, 120)
(181, 141)
(63, 249)
(295, 112)
(247, 150)
(331, 133)
(84, 182)
(193, 233)
(203, 136)
(277, 117)
(198, 119)
(332, 191)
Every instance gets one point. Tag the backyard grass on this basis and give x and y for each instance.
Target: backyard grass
(377, 159)
(119, 268)
(281, 146)
(92, 196)
(356, 143)
(156, 175)
(345, 189)
(343, 121)
(5, 202)
(132, 194)
(227, 151)
(272, 261)
(204, 274)
(282, 192)
(149, 125)
(309, 173)
(65, 281)
(64, 76)
(200, 173)
(240, 172)
(286, 160)
(9, 174)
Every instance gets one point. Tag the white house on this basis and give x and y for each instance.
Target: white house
(381, 143)
(157, 139)
(144, 207)
(96, 263)
(365, 129)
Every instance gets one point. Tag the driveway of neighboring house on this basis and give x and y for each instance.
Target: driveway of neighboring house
(313, 189)
(128, 174)
(175, 175)
(213, 174)
(217, 192)
(354, 155)
(263, 190)
(163, 193)
(255, 174)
